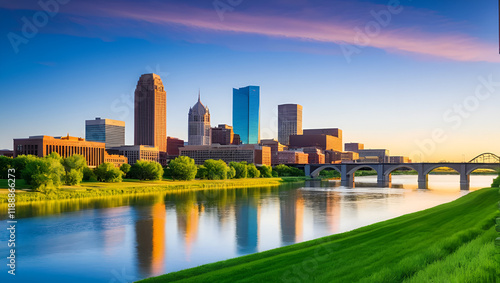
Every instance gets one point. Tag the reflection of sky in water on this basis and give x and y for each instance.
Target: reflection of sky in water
(128, 238)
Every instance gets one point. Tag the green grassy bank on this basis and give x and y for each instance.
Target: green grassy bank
(453, 242)
(131, 187)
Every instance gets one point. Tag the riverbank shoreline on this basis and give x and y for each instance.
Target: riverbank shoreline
(450, 242)
(88, 190)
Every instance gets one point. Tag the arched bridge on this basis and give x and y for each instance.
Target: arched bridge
(384, 170)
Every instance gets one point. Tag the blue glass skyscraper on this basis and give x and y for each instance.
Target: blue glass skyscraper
(246, 114)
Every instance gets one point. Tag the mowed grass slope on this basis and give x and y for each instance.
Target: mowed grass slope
(452, 242)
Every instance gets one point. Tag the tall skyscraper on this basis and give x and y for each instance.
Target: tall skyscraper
(111, 132)
(289, 122)
(150, 125)
(199, 125)
(246, 114)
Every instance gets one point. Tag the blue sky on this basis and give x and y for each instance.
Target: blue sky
(404, 84)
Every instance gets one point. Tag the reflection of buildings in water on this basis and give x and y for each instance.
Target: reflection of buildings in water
(188, 214)
(332, 212)
(113, 235)
(150, 238)
(247, 226)
(325, 206)
(292, 217)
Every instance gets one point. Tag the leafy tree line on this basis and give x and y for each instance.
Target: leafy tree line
(50, 172)
(184, 168)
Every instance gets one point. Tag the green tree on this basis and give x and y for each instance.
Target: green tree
(240, 168)
(230, 172)
(282, 170)
(125, 167)
(19, 163)
(146, 170)
(167, 172)
(89, 175)
(216, 169)
(266, 171)
(183, 168)
(5, 165)
(73, 166)
(43, 174)
(202, 173)
(54, 155)
(107, 172)
(296, 172)
(73, 177)
(253, 172)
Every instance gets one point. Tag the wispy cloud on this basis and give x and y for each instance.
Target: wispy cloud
(313, 24)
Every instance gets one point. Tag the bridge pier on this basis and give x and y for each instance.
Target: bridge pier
(464, 182)
(307, 170)
(423, 181)
(346, 179)
(383, 180)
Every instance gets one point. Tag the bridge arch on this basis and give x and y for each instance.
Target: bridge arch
(391, 169)
(487, 157)
(316, 172)
(473, 167)
(361, 166)
(429, 169)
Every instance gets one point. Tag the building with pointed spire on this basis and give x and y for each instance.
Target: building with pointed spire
(199, 132)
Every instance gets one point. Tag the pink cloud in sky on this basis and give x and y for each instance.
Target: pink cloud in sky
(326, 28)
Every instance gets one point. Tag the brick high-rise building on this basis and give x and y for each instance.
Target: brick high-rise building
(275, 148)
(289, 122)
(150, 113)
(173, 145)
(223, 135)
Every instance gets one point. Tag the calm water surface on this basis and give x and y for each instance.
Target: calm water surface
(129, 238)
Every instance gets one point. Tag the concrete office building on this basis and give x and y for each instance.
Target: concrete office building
(292, 157)
(42, 146)
(374, 155)
(199, 132)
(275, 148)
(173, 145)
(289, 122)
(258, 155)
(324, 142)
(111, 132)
(137, 152)
(246, 114)
(150, 112)
(354, 147)
(223, 135)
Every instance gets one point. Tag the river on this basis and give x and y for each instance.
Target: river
(124, 239)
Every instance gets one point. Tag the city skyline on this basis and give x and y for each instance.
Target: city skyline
(457, 56)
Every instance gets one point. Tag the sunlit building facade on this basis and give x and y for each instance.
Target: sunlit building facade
(41, 146)
(111, 132)
(150, 112)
